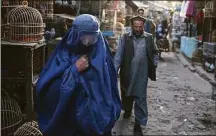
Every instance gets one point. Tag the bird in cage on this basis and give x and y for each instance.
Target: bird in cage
(48, 35)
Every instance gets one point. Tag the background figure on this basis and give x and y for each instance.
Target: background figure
(77, 92)
(160, 31)
(161, 37)
(170, 27)
(149, 25)
(137, 59)
(141, 12)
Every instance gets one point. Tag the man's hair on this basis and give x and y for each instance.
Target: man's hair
(140, 9)
(137, 18)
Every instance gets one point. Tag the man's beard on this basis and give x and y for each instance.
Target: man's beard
(137, 33)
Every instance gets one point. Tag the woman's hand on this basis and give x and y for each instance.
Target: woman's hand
(82, 63)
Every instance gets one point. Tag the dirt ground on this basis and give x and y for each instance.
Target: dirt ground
(178, 102)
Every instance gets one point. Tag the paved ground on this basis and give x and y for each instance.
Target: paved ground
(179, 103)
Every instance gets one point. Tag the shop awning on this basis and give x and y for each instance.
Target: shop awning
(158, 5)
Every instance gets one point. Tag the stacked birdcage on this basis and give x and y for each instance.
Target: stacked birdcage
(28, 129)
(25, 24)
(45, 7)
(11, 3)
(11, 115)
(210, 9)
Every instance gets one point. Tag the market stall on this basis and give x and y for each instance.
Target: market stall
(112, 22)
(26, 42)
(198, 42)
(23, 55)
(189, 41)
(208, 37)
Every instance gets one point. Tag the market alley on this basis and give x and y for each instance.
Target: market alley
(178, 103)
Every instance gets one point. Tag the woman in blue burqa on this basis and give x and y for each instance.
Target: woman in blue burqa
(77, 93)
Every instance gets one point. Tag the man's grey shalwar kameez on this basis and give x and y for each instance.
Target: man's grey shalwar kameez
(138, 80)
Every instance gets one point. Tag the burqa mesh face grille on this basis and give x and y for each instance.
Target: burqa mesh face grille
(89, 39)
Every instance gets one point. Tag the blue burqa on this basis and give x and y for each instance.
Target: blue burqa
(70, 103)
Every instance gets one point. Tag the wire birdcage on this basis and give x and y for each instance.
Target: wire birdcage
(11, 3)
(25, 24)
(28, 129)
(45, 7)
(210, 9)
(11, 116)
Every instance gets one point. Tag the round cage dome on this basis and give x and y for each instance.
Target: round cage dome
(25, 24)
(28, 129)
(45, 7)
(11, 116)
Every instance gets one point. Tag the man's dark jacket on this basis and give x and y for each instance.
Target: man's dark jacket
(128, 54)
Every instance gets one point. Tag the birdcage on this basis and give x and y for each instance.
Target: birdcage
(28, 129)
(25, 24)
(210, 9)
(11, 3)
(4, 93)
(45, 7)
(11, 116)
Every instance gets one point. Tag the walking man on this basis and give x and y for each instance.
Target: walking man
(137, 58)
(149, 25)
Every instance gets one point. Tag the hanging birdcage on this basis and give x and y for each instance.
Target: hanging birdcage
(11, 3)
(210, 9)
(28, 129)
(25, 24)
(45, 7)
(11, 116)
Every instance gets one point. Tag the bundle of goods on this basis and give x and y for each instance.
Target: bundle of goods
(197, 56)
(209, 49)
(163, 45)
(209, 52)
(208, 64)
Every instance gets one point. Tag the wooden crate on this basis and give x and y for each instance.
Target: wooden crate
(21, 66)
